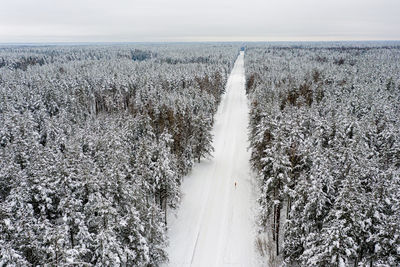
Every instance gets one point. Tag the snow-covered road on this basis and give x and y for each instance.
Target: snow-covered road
(214, 225)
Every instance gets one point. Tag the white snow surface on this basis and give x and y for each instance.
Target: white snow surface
(214, 225)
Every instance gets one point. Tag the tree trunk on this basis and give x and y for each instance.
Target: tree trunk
(56, 252)
(71, 237)
(278, 214)
(274, 217)
(161, 200)
(165, 211)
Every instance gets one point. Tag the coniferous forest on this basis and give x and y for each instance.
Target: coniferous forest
(94, 142)
(325, 140)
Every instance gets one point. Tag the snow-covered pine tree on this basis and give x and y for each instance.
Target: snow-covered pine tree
(202, 136)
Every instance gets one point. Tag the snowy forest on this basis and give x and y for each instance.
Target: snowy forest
(94, 142)
(325, 140)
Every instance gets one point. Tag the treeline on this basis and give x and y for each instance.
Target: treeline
(94, 143)
(21, 57)
(325, 140)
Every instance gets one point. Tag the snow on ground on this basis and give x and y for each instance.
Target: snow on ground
(214, 225)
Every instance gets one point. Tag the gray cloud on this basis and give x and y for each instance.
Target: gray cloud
(206, 20)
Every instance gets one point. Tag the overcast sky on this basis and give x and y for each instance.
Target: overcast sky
(201, 20)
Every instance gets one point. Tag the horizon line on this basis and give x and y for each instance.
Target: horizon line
(197, 41)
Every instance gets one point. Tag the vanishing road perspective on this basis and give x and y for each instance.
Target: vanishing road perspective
(214, 225)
